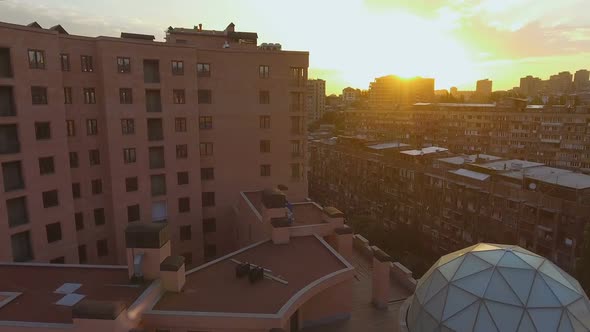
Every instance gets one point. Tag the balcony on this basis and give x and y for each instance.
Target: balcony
(153, 101)
(155, 130)
(5, 65)
(7, 107)
(151, 71)
(9, 142)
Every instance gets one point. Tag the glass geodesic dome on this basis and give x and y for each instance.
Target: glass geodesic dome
(491, 287)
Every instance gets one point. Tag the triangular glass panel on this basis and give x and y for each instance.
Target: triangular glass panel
(565, 325)
(484, 247)
(471, 264)
(506, 317)
(549, 269)
(563, 293)
(511, 260)
(464, 320)
(436, 284)
(475, 283)
(581, 311)
(520, 280)
(491, 257)
(541, 295)
(484, 322)
(457, 299)
(499, 290)
(426, 322)
(447, 258)
(449, 269)
(526, 324)
(533, 261)
(576, 324)
(426, 275)
(545, 319)
(421, 289)
(436, 305)
(413, 312)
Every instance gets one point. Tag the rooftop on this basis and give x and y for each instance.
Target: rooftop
(387, 145)
(460, 160)
(38, 283)
(214, 287)
(455, 105)
(503, 165)
(421, 152)
(471, 174)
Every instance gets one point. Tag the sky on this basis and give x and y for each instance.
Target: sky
(353, 41)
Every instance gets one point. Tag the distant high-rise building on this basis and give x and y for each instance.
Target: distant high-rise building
(582, 80)
(453, 91)
(350, 95)
(560, 83)
(484, 88)
(530, 86)
(388, 91)
(316, 99)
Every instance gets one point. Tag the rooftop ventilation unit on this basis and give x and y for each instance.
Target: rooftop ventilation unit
(255, 274)
(242, 270)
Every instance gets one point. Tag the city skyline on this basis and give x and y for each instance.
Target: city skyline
(521, 37)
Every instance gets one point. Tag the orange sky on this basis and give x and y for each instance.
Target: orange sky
(353, 41)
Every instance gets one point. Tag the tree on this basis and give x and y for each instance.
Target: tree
(583, 263)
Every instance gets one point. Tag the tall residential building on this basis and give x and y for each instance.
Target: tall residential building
(560, 83)
(483, 88)
(581, 80)
(388, 91)
(530, 86)
(350, 95)
(99, 132)
(315, 103)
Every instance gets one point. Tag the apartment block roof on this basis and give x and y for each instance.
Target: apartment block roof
(214, 287)
(31, 291)
(471, 174)
(503, 165)
(387, 145)
(428, 150)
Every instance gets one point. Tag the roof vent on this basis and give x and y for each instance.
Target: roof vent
(242, 270)
(34, 25)
(255, 274)
(59, 29)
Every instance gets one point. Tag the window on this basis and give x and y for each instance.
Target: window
(125, 96)
(203, 70)
(205, 122)
(82, 256)
(155, 130)
(9, 138)
(123, 65)
(265, 122)
(39, 95)
(99, 217)
(36, 59)
(129, 155)
(53, 232)
(177, 68)
(50, 198)
(102, 248)
(182, 178)
(156, 157)
(46, 165)
(5, 63)
(79, 219)
(210, 251)
(264, 170)
(16, 209)
(74, 163)
(131, 184)
(209, 225)
(263, 71)
(89, 96)
(71, 128)
(207, 173)
(180, 125)
(42, 130)
(94, 157)
(133, 213)
(151, 71)
(184, 205)
(7, 103)
(265, 146)
(12, 176)
(67, 95)
(158, 184)
(76, 192)
(153, 101)
(296, 148)
(178, 96)
(96, 186)
(21, 247)
(127, 126)
(91, 127)
(296, 102)
(298, 76)
(204, 96)
(295, 171)
(208, 199)
(181, 151)
(206, 149)
(65, 62)
(58, 260)
(86, 61)
(185, 233)
(264, 97)
(159, 211)
(296, 125)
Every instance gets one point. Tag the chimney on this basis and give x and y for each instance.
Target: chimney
(333, 216)
(274, 204)
(200, 27)
(381, 282)
(343, 241)
(147, 246)
(173, 273)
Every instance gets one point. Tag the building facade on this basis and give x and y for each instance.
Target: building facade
(389, 91)
(99, 132)
(315, 102)
(483, 88)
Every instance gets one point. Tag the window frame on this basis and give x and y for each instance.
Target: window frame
(86, 63)
(38, 61)
(200, 69)
(177, 67)
(65, 65)
(123, 68)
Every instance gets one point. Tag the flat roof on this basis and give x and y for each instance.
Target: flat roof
(428, 150)
(37, 284)
(460, 160)
(215, 287)
(471, 174)
(387, 145)
(455, 105)
(567, 179)
(504, 165)
(535, 172)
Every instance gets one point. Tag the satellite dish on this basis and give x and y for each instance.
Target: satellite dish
(532, 186)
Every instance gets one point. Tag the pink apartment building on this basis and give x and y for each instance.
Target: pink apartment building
(100, 132)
